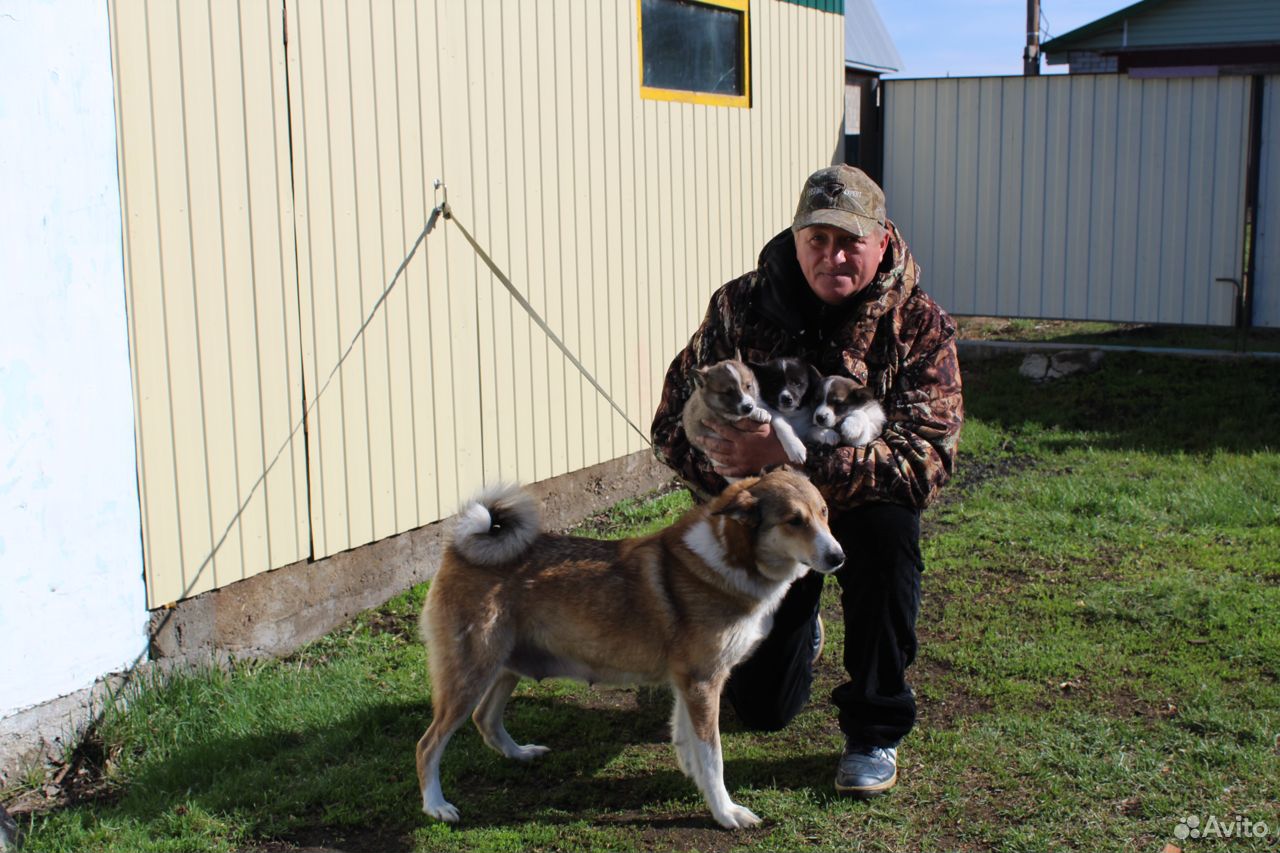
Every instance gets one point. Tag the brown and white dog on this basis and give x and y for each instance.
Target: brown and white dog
(680, 607)
(846, 414)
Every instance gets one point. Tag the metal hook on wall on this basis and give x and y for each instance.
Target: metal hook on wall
(442, 206)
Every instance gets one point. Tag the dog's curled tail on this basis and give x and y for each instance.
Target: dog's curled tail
(496, 527)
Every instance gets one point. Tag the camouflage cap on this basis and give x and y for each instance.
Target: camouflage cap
(841, 196)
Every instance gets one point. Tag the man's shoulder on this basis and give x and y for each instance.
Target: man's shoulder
(737, 296)
(740, 287)
(923, 323)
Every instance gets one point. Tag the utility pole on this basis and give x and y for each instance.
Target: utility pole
(1031, 56)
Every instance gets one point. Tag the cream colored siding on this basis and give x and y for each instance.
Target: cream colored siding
(1078, 197)
(615, 216)
(211, 291)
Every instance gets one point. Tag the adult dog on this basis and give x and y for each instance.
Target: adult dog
(680, 607)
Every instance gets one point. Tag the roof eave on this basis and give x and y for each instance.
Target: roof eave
(1068, 41)
(853, 65)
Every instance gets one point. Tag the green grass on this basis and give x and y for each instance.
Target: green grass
(1119, 334)
(1100, 658)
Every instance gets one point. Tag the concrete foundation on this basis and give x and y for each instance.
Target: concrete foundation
(276, 612)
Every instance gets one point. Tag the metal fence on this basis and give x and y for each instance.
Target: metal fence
(1266, 232)
(1094, 197)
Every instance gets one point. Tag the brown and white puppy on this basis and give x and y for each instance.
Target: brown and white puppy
(726, 391)
(680, 607)
(846, 414)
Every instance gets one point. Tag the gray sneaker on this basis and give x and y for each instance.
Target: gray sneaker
(866, 771)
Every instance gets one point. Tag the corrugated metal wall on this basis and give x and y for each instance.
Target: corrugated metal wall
(1266, 274)
(615, 216)
(1073, 197)
(211, 289)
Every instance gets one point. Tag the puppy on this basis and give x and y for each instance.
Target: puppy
(846, 414)
(726, 391)
(788, 389)
(681, 606)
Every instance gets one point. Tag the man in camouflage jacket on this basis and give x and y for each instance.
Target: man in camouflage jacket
(840, 290)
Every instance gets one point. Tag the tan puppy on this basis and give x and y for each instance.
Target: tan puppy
(726, 391)
(678, 607)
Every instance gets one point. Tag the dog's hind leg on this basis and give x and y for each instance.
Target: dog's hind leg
(682, 737)
(453, 698)
(488, 719)
(701, 701)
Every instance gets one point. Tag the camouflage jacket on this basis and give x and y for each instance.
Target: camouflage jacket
(893, 338)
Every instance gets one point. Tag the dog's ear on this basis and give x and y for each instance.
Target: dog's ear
(699, 377)
(744, 509)
(737, 353)
(813, 386)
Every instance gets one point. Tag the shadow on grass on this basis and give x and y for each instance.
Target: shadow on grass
(1158, 404)
(356, 779)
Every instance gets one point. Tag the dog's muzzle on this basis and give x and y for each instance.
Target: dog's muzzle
(830, 560)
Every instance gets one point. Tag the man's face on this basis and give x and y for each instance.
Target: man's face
(837, 264)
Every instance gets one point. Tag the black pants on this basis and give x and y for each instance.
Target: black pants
(880, 597)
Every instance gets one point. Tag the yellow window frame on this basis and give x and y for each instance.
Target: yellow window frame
(653, 93)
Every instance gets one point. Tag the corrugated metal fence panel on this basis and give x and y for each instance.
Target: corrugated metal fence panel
(1266, 274)
(615, 216)
(211, 290)
(1076, 197)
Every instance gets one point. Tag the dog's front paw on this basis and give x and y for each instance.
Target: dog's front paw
(796, 454)
(442, 810)
(857, 430)
(828, 437)
(737, 817)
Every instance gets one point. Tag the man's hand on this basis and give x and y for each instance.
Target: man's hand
(742, 448)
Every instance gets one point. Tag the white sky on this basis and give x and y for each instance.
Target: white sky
(967, 38)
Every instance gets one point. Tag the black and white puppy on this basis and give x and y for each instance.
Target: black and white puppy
(788, 389)
(846, 414)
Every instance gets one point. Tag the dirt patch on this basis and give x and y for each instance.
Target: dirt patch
(402, 626)
(81, 779)
(1008, 329)
(604, 524)
(957, 703)
(681, 832)
(330, 841)
(1114, 700)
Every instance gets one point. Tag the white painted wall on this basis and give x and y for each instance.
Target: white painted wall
(71, 590)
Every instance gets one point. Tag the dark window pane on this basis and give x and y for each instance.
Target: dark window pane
(692, 47)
